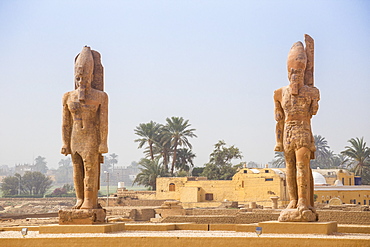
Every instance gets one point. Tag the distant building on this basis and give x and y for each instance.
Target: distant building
(259, 185)
(22, 169)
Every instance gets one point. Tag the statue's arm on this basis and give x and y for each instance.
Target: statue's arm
(279, 117)
(66, 126)
(315, 101)
(103, 115)
(278, 110)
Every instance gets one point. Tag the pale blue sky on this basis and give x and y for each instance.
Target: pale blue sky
(215, 63)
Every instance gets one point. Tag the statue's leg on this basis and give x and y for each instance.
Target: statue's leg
(91, 164)
(291, 178)
(78, 179)
(303, 178)
(311, 191)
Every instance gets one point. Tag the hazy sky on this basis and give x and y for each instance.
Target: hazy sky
(215, 63)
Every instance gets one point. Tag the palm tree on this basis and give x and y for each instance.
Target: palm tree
(113, 160)
(178, 129)
(161, 147)
(322, 154)
(339, 161)
(150, 170)
(279, 160)
(149, 134)
(184, 159)
(40, 164)
(360, 155)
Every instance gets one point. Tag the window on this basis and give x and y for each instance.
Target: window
(269, 179)
(242, 184)
(267, 171)
(172, 187)
(209, 196)
(245, 171)
(343, 181)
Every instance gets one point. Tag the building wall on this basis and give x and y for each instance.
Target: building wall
(347, 194)
(257, 185)
(246, 186)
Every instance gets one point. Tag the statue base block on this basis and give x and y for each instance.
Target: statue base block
(82, 216)
(294, 215)
(299, 227)
(101, 228)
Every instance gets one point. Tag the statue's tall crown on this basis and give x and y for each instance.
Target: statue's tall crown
(297, 58)
(90, 60)
(85, 61)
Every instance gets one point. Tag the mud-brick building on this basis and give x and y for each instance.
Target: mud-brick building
(259, 185)
(247, 185)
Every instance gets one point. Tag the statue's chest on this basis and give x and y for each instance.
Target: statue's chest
(82, 108)
(299, 102)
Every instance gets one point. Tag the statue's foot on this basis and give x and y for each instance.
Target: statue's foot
(292, 204)
(78, 204)
(87, 205)
(302, 205)
(279, 147)
(312, 208)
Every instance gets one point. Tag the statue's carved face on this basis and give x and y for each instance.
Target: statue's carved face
(296, 78)
(83, 78)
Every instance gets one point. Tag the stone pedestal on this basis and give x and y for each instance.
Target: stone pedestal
(274, 200)
(299, 227)
(294, 215)
(81, 216)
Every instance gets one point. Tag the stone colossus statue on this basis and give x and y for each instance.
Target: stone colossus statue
(85, 127)
(295, 105)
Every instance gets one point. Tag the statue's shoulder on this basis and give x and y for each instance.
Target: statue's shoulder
(66, 96)
(312, 91)
(100, 94)
(278, 93)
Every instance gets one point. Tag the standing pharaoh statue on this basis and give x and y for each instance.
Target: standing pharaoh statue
(85, 127)
(295, 105)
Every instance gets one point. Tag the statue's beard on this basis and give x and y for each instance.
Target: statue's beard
(81, 94)
(295, 86)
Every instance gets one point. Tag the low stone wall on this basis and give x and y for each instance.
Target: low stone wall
(342, 217)
(137, 214)
(119, 201)
(345, 217)
(212, 211)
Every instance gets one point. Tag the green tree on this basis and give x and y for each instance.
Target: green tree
(162, 147)
(179, 130)
(359, 155)
(197, 171)
(184, 160)
(10, 185)
(323, 155)
(40, 165)
(339, 161)
(113, 159)
(148, 133)
(36, 183)
(220, 165)
(149, 171)
(279, 160)
(64, 173)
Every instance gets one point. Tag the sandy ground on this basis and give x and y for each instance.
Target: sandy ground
(181, 233)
